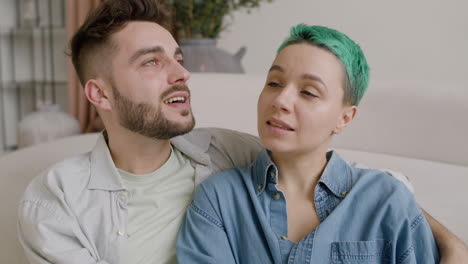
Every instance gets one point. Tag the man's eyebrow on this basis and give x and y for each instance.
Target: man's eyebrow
(144, 51)
(314, 77)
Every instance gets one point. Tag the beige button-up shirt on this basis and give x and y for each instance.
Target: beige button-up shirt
(75, 212)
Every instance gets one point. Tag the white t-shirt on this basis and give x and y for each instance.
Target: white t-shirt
(156, 208)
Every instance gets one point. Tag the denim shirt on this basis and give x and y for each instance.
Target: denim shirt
(366, 216)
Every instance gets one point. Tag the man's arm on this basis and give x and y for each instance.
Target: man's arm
(452, 249)
(48, 236)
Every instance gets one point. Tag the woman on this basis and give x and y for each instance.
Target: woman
(299, 202)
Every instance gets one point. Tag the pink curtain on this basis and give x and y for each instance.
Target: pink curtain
(78, 105)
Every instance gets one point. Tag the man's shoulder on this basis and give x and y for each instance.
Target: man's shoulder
(222, 134)
(68, 173)
(239, 147)
(226, 148)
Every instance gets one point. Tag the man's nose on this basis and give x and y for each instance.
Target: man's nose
(177, 73)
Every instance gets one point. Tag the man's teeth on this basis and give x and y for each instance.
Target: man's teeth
(175, 99)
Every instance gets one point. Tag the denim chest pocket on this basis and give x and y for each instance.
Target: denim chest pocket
(369, 252)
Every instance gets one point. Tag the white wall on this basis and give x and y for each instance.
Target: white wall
(403, 40)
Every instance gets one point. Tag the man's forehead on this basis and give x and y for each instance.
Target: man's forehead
(137, 35)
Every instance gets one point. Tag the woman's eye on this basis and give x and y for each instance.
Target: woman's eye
(273, 84)
(308, 93)
(181, 62)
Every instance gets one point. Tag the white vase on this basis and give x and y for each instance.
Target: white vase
(47, 124)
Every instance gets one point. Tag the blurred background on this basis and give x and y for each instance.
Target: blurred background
(40, 98)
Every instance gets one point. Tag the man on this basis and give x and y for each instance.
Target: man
(124, 201)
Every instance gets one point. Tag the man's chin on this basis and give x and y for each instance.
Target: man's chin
(181, 128)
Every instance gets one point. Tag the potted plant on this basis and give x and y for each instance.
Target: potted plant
(198, 24)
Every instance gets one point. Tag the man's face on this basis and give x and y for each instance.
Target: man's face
(150, 96)
(302, 102)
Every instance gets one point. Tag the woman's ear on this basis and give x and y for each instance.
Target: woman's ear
(96, 90)
(347, 115)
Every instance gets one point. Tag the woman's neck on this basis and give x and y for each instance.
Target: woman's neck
(299, 173)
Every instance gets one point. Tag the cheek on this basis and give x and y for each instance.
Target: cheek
(261, 104)
(322, 119)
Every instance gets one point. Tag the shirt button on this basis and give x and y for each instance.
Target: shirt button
(272, 175)
(123, 198)
(344, 193)
(120, 233)
(260, 187)
(276, 196)
(284, 238)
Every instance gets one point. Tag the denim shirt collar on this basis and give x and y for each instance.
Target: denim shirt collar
(336, 175)
(105, 176)
(264, 170)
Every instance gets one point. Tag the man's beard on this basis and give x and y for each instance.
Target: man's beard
(147, 120)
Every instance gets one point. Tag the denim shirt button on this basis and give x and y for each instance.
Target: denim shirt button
(276, 196)
(272, 175)
(284, 238)
(260, 187)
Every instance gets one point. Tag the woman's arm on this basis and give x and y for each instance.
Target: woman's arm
(452, 249)
(202, 237)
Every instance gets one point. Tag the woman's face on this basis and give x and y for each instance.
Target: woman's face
(301, 105)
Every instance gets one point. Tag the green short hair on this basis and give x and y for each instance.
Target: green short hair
(344, 48)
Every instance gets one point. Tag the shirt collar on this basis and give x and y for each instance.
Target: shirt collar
(105, 176)
(336, 176)
(264, 171)
(194, 145)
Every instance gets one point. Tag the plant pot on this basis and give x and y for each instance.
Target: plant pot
(202, 55)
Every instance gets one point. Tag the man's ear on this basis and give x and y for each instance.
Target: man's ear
(97, 92)
(347, 115)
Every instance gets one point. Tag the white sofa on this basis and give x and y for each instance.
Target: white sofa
(419, 134)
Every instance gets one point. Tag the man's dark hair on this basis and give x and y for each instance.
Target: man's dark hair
(91, 44)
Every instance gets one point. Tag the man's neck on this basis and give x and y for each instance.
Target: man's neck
(137, 154)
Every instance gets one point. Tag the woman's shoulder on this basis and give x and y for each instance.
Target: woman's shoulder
(380, 185)
(224, 186)
(378, 179)
(228, 178)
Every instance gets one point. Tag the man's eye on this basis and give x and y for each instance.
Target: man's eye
(151, 63)
(308, 93)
